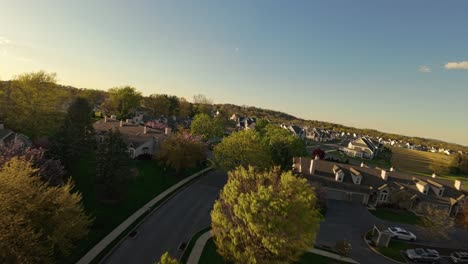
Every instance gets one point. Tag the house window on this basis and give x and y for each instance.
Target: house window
(440, 192)
(425, 191)
(383, 196)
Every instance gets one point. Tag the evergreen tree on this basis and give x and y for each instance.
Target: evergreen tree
(76, 136)
(112, 168)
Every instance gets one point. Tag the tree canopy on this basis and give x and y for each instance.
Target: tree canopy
(283, 145)
(181, 151)
(167, 259)
(207, 127)
(264, 217)
(37, 221)
(122, 101)
(242, 148)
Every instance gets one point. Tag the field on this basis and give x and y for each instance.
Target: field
(419, 162)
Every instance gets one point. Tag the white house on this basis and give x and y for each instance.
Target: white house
(362, 147)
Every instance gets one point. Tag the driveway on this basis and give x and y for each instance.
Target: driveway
(173, 223)
(345, 220)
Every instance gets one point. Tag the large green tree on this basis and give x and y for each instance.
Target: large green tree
(242, 148)
(76, 135)
(207, 127)
(202, 104)
(181, 151)
(283, 145)
(34, 104)
(158, 104)
(123, 101)
(112, 168)
(264, 217)
(37, 221)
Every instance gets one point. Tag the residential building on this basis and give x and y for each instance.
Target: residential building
(140, 140)
(362, 147)
(318, 134)
(246, 122)
(8, 136)
(376, 187)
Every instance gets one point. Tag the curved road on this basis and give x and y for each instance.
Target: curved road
(173, 223)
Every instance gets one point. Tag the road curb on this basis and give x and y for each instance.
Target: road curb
(197, 249)
(137, 218)
(378, 253)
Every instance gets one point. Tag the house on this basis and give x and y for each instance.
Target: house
(296, 130)
(140, 140)
(362, 147)
(246, 122)
(8, 136)
(376, 187)
(318, 134)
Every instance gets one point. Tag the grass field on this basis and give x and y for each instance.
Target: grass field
(419, 162)
(210, 256)
(150, 181)
(397, 216)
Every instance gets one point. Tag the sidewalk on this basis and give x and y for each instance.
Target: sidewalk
(106, 241)
(332, 255)
(197, 249)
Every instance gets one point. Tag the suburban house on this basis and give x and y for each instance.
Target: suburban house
(362, 147)
(246, 122)
(318, 134)
(8, 136)
(141, 140)
(374, 186)
(296, 130)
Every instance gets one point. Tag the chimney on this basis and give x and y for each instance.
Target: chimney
(127, 121)
(317, 157)
(392, 169)
(384, 175)
(434, 175)
(458, 185)
(105, 119)
(168, 131)
(121, 123)
(362, 164)
(300, 164)
(144, 130)
(313, 167)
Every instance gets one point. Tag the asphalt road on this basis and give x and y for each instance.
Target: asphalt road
(173, 223)
(345, 220)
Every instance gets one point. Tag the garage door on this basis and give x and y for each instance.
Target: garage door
(357, 198)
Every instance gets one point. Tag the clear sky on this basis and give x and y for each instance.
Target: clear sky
(395, 66)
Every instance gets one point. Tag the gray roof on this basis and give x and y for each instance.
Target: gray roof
(4, 133)
(372, 180)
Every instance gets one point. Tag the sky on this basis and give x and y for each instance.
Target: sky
(395, 66)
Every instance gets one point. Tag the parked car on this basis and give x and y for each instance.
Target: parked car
(423, 255)
(400, 233)
(459, 257)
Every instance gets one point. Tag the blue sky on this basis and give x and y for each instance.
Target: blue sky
(396, 66)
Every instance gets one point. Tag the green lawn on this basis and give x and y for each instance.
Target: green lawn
(210, 256)
(394, 249)
(399, 216)
(150, 181)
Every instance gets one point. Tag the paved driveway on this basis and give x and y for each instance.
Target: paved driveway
(345, 220)
(174, 222)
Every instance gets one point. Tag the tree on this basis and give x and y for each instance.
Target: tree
(122, 101)
(202, 104)
(462, 217)
(318, 152)
(50, 171)
(459, 164)
(167, 259)
(437, 222)
(264, 217)
(34, 104)
(261, 124)
(438, 167)
(283, 146)
(181, 151)
(112, 168)
(158, 104)
(242, 148)
(207, 127)
(185, 108)
(76, 136)
(37, 221)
